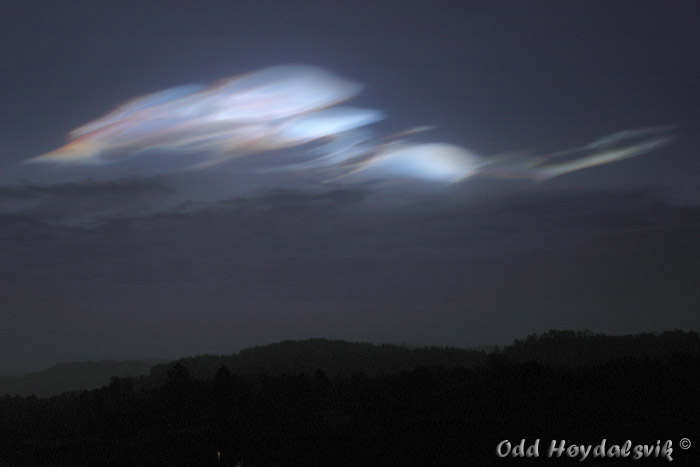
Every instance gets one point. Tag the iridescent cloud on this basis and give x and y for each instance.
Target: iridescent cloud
(293, 110)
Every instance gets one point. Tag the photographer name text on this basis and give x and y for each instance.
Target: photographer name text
(560, 448)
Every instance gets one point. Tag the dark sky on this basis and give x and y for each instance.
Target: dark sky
(113, 265)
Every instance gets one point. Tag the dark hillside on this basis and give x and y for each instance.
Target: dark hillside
(583, 348)
(73, 377)
(334, 358)
(452, 412)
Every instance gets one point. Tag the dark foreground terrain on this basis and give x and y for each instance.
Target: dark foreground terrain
(332, 403)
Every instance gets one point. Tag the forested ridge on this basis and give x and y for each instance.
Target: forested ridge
(321, 402)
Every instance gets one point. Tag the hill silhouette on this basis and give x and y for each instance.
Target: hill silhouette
(585, 348)
(321, 402)
(73, 377)
(341, 358)
(337, 358)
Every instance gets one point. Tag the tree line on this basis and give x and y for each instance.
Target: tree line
(445, 414)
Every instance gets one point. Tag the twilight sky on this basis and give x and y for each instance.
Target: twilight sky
(129, 260)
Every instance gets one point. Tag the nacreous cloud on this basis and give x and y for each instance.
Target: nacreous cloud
(287, 119)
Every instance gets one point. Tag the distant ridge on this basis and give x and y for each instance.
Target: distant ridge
(336, 358)
(73, 377)
(341, 358)
(585, 348)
